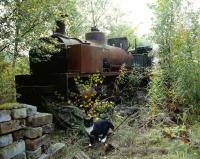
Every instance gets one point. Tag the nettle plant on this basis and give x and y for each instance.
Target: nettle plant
(88, 100)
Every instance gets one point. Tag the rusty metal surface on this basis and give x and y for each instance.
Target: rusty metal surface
(67, 41)
(85, 59)
(117, 56)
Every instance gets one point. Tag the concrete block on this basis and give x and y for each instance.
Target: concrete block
(33, 144)
(12, 150)
(32, 133)
(34, 154)
(44, 156)
(31, 110)
(6, 140)
(46, 129)
(5, 115)
(56, 151)
(19, 134)
(10, 126)
(39, 119)
(20, 156)
(19, 113)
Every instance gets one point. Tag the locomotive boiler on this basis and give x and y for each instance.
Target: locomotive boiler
(73, 58)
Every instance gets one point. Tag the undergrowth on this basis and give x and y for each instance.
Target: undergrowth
(131, 141)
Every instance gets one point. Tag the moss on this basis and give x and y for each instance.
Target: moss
(10, 106)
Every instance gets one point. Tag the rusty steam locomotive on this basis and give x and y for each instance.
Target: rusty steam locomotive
(74, 58)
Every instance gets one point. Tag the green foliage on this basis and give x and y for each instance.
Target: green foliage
(10, 106)
(7, 82)
(128, 82)
(94, 11)
(87, 99)
(7, 93)
(156, 95)
(123, 30)
(177, 83)
(23, 23)
(120, 79)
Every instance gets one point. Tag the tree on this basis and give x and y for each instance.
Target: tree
(94, 11)
(23, 23)
(176, 31)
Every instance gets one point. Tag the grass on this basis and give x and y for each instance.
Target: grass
(132, 142)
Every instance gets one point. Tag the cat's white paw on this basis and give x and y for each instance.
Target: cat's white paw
(90, 145)
(103, 140)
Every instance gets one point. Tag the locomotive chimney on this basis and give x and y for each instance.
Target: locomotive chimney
(95, 36)
(60, 25)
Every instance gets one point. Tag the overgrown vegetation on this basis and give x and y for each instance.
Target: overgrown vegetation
(168, 126)
(177, 83)
(87, 99)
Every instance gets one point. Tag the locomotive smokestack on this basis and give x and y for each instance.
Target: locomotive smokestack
(60, 27)
(96, 36)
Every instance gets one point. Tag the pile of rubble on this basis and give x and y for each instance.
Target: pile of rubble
(24, 134)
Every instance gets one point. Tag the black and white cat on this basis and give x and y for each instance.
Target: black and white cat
(97, 131)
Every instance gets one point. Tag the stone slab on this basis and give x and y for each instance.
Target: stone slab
(48, 128)
(6, 140)
(33, 144)
(80, 155)
(12, 150)
(56, 151)
(20, 156)
(34, 154)
(10, 126)
(5, 115)
(19, 134)
(32, 133)
(39, 119)
(44, 156)
(31, 110)
(19, 113)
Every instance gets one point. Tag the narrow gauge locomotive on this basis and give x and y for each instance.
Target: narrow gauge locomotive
(74, 58)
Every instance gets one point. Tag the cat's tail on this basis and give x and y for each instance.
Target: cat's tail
(111, 126)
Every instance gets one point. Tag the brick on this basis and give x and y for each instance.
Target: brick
(10, 126)
(6, 140)
(33, 144)
(19, 113)
(32, 133)
(47, 129)
(20, 156)
(39, 119)
(31, 110)
(56, 151)
(34, 154)
(5, 115)
(12, 150)
(17, 135)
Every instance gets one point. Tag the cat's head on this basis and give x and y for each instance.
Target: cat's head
(88, 122)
